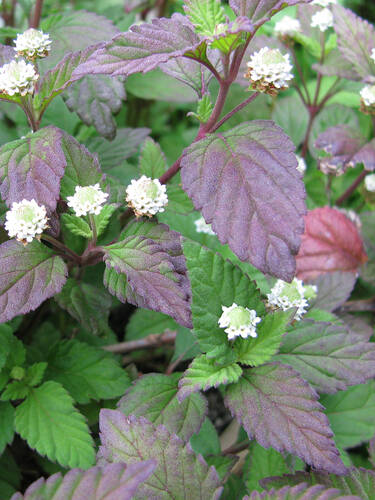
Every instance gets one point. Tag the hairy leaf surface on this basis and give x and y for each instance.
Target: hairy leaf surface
(333, 290)
(205, 15)
(301, 492)
(152, 161)
(260, 11)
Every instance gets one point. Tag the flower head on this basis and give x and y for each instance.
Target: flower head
(146, 196)
(239, 321)
(17, 77)
(368, 98)
(370, 182)
(301, 165)
(323, 3)
(33, 43)
(202, 227)
(269, 70)
(323, 20)
(26, 220)
(287, 27)
(87, 200)
(295, 294)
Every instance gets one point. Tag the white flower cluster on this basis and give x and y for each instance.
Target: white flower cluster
(239, 321)
(373, 55)
(370, 182)
(201, 226)
(323, 3)
(17, 77)
(323, 20)
(295, 294)
(26, 220)
(146, 196)
(368, 95)
(287, 26)
(87, 200)
(269, 69)
(33, 43)
(301, 165)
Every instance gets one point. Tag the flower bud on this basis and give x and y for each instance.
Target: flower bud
(323, 20)
(32, 44)
(87, 200)
(146, 196)
(26, 220)
(239, 321)
(287, 295)
(17, 77)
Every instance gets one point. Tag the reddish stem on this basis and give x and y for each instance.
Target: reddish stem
(238, 108)
(35, 20)
(351, 188)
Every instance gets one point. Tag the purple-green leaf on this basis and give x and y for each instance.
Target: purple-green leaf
(190, 72)
(179, 474)
(280, 410)
(32, 168)
(301, 492)
(29, 275)
(143, 48)
(329, 357)
(245, 182)
(111, 482)
(260, 11)
(333, 290)
(7, 54)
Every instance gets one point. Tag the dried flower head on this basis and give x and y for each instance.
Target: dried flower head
(146, 196)
(239, 321)
(201, 226)
(287, 27)
(295, 294)
(323, 20)
(370, 182)
(269, 71)
(87, 200)
(17, 77)
(26, 220)
(33, 43)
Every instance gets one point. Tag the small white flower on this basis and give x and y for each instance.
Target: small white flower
(373, 55)
(269, 68)
(323, 20)
(368, 95)
(87, 200)
(146, 196)
(239, 321)
(33, 43)
(323, 3)
(26, 220)
(201, 226)
(295, 294)
(370, 182)
(301, 165)
(287, 26)
(17, 77)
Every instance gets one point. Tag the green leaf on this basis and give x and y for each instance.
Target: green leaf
(10, 476)
(351, 414)
(77, 225)
(256, 351)
(204, 373)
(204, 109)
(17, 389)
(178, 200)
(294, 124)
(6, 424)
(216, 282)
(87, 303)
(152, 162)
(155, 398)
(102, 219)
(35, 374)
(205, 15)
(206, 441)
(86, 372)
(49, 423)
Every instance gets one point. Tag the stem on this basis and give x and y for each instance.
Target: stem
(171, 171)
(35, 20)
(60, 246)
(307, 136)
(300, 73)
(220, 101)
(209, 66)
(236, 448)
(352, 188)
(150, 342)
(234, 111)
(94, 231)
(298, 90)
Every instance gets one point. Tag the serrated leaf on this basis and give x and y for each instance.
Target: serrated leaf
(294, 124)
(204, 109)
(143, 48)
(155, 398)
(152, 161)
(155, 272)
(49, 423)
(103, 218)
(178, 200)
(190, 72)
(18, 389)
(209, 271)
(333, 290)
(301, 492)
(125, 439)
(32, 168)
(204, 373)
(10, 475)
(111, 482)
(351, 414)
(95, 99)
(280, 410)
(86, 372)
(256, 351)
(206, 442)
(77, 225)
(329, 357)
(250, 208)
(205, 15)
(260, 11)
(6, 424)
(87, 303)
(29, 275)
(35, 373)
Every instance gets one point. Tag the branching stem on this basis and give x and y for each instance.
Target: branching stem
(35, 19)
(150, 342)
(351, 188)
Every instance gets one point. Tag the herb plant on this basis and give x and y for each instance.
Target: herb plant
(196, 175)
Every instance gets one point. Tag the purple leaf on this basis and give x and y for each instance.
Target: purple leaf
(333, 290)
(111, 482)
(7, 54)
(336, 65)
(280, 410)
(156, 276)
(143, 48)
(260, 11)
(32, 168)
(328, 356)
(355, 40)
(95, 99)
(190, 72)
(180, 472)
(357, 325)
(28, 276)
(154, 397)
(242, 181)
(301, 492)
